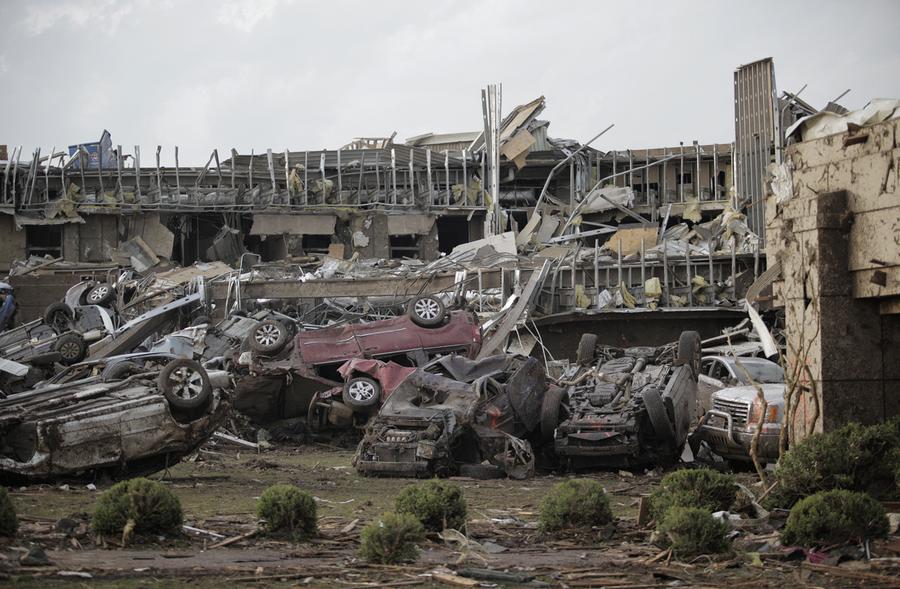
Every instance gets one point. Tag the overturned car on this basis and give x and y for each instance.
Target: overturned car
(136, 424)
(458, 416)
(278, 348)
(624, 407)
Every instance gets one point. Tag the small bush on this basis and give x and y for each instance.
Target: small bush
(392, 539)
(854, 457)
(8, 521)
(702, 488)
(145, 506)
(289, 512)
(834, 517)
(437, 504)
(690, 531)
(575, 503)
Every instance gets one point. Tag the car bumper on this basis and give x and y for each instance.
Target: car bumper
(733, 443)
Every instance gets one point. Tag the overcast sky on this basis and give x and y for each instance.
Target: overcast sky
(308, 75)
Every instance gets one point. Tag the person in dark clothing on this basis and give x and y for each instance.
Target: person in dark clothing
(8, 307)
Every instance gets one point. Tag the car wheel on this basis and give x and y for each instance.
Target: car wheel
(587, 349)
(482, 472)
(71, 347)
(689, 351)
(427, 311)
(361, 392)
(185, 384)
(551, 411)
(659, 419)
(268, 337)
(58, 316)
(102, 295)
(119, 371)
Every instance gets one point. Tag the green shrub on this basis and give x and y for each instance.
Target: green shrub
(289, 512)
(834, 517)
(145, 506)
(690, 531)
(854, 457)
(392, 539)
(8, 521)
(437, 504)
(701, 488)
(575, 503)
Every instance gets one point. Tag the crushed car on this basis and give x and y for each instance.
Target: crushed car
(728, 426)
(457, 416)
(622, 408)
(277, 348)
(126, 427)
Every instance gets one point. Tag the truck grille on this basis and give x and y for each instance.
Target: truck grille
(739, 410)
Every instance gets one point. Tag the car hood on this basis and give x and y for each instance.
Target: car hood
(774, 393)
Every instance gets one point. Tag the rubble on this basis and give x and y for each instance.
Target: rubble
(459, 306)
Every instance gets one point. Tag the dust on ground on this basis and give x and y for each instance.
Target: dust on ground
(219, 489)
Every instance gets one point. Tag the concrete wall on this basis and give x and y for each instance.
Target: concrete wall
(12, 243)
(837, 238)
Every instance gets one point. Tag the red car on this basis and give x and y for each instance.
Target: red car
(427, 330)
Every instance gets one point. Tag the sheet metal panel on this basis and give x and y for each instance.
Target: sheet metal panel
(756, 135)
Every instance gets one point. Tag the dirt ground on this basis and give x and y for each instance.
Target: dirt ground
(219, 489)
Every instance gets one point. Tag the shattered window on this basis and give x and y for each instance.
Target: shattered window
(404, 246)
(43, 240)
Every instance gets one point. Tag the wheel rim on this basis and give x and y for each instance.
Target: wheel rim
(361, 390)
(186, 383)
(98, 293)
(69, 350)
(427, 309)
(267, 335)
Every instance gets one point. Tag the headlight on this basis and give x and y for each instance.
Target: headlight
(756, 408)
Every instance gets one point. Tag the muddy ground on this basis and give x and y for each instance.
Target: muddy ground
(218, 491)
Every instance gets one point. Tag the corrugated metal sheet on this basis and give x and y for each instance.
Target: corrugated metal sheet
(757, 135)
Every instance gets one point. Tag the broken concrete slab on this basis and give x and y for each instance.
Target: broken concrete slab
(293, 224)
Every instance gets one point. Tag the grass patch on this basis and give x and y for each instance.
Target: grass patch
(289, 512)
(576, 503)
(834, 517)
(437, 504)
(392, 539)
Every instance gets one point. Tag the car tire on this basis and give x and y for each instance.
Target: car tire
(71, 347)
(551, 411)
(58, 316)
(119, 371)
(201, 320)
(659, 419)
(102, 294)
(361, 392)
(185, 385)
(481, 472)
(427, 311)
(689, 351)
(269, 337)
(587, 349)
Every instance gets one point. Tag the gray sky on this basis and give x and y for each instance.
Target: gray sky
(308, 75)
